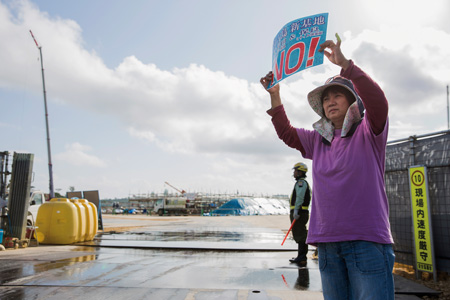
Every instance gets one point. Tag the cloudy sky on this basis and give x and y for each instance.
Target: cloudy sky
(142, 92)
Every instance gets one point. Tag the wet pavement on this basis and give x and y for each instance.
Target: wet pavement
(151, 271)
(168, 258)
(178, 258)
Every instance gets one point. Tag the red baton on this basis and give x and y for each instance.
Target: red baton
(288, 232)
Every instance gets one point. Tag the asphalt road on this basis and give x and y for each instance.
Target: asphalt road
(143, 257)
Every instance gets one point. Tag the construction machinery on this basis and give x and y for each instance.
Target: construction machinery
(182, 192)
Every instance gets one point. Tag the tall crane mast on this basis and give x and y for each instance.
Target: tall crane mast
(50, 165)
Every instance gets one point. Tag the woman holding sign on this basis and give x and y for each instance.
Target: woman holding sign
(349, 216)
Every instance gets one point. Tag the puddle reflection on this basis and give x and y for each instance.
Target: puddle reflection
(13, 294)
(191, 235)
(302, 282)
(63, 263)
(25, 269)
(169, 268)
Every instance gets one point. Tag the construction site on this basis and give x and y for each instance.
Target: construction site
(188, 245)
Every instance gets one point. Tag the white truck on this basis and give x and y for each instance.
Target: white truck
(37, 198)
(171, 205)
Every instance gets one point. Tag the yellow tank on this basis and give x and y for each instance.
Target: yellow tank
(95, 216)
(57, 222)
(82, 222)
(91, 219)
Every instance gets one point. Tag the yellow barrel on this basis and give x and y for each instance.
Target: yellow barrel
(95, 219)
(91, 218)
(57, 222)
(82, 223)
(95, 216)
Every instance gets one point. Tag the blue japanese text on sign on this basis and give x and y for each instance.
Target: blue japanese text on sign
(295, 46)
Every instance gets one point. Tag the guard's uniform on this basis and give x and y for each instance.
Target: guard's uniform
(300, 200)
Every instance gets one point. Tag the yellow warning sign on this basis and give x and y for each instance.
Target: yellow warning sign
(421, 219)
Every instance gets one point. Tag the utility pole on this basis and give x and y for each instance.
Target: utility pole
(50, 166)
(448, 111)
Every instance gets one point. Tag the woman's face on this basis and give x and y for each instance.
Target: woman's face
(335, 105)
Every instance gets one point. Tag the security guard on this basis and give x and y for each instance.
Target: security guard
(300, 199)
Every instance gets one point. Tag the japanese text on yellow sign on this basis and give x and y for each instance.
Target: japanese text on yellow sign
(421, 219)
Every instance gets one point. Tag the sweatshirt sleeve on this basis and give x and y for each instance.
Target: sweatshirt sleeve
(372, 96)
(285, 131)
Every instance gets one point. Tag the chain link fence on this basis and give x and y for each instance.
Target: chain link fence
(432, 151)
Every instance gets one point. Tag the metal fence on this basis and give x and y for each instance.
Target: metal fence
(432, 151)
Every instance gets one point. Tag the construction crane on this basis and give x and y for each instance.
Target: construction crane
(50, 165)
(182, 191)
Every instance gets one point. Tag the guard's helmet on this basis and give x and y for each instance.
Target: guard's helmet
(301, 167)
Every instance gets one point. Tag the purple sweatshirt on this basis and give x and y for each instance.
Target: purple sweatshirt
(349, 201)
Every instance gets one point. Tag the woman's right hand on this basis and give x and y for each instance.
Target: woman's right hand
(274, 91)
(266, 80)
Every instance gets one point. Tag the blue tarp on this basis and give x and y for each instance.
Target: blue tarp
(253, 206)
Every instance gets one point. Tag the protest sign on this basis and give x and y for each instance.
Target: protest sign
(295, 46)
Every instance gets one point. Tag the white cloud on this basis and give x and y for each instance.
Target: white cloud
(410, 65)
(76, 155)
(196, 109)
(143, 135)
(212, 116)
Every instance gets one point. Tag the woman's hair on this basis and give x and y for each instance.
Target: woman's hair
(337, 88)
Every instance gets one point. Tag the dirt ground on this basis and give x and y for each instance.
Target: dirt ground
(442, 284)
(121, 223)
